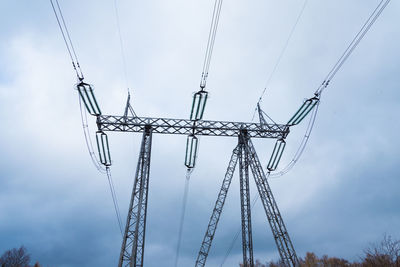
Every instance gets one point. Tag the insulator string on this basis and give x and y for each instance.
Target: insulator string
(88, 140)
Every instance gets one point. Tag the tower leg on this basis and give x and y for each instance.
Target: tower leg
(219, 204)
(281, 236)
(132, 249)
(247, 241)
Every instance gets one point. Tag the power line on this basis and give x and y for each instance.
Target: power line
(89, 144)
(182, 219)
(88, 140)
(114, 198)
(210, 43)
(354, 43)
(67, 39)
(301, 147)
(123, 56)
(283, 51)
(97, 163)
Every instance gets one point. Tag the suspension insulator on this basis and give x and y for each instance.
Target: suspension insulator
(276, 155)
(191, 151)
(86, 93)
(198, 106)
(303, 111)
(103, 148)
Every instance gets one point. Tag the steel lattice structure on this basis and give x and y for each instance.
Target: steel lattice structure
(247, 237)
(246, 155)
(281, 236)
(219, 204)
(186, 127)
(132, 249)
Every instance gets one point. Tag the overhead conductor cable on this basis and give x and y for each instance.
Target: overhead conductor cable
(353, 44)
(123, 56)
(67, 39)
(196, 113)
(182, 219)
(373, 17)
(86, 95)
(280, 56)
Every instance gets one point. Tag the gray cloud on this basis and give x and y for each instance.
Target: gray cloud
(340, 197)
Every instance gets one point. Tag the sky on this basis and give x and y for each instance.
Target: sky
(340, 198)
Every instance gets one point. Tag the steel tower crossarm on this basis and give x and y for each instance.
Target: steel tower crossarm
(219, 204)
(281, 235)
(132, 250)
(186, 127)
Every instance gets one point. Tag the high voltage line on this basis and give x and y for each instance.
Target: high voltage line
(132, 250)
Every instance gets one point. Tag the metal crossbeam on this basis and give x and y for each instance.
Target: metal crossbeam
(132, 250)
(186, 127)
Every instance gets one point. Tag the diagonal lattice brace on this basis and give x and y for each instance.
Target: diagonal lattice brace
(132, 250)
(219, 204)
(281, 235)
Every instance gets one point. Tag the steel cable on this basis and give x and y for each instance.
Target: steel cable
(353, 44)
(122, 49)
(114, 199)
(373, 17)
(88, 139)
(89, 144)
(210, 42)
(182, 219)
(67, 39)
(301, 147)
(282, 52)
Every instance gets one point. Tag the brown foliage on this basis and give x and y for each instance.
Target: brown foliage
(384, 254)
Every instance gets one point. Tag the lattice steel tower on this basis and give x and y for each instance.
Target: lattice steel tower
(132, 250)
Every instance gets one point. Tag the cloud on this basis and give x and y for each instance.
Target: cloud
(339, 195)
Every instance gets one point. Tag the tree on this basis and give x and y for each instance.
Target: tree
(386, 253)
(15, 258)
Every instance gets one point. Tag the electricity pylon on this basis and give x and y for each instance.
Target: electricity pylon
(132, 250)
(133, 244)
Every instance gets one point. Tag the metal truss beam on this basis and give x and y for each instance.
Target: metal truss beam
(281, 236)
(132, 250)
(219, 204)
(247, 240)
(186, 127)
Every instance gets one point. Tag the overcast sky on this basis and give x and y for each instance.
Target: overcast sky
(342, 196)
